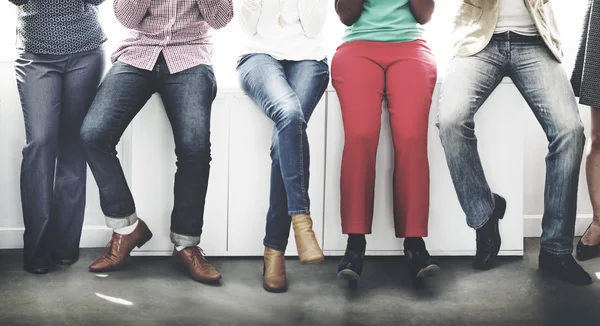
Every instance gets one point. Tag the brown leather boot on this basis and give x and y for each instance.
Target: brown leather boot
(119, 247)
(274, 271)
(306, 242)
(192, 258)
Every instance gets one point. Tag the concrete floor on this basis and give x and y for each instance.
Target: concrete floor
(151, 292)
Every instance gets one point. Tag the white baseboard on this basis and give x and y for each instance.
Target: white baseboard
(382, 253)
(532, 225)
(92, 237)
(98, 236)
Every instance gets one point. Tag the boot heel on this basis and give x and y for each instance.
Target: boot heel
(145, 238)
(501, 202)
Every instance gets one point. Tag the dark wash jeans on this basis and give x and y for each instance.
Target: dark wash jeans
(187, 97)
(287, 92)
(56, 92)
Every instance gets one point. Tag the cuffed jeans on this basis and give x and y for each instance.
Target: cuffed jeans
(544, 84)
(288, 92)
(56, 92)
(187, 97)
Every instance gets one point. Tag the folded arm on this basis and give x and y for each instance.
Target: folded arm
(217, 13)
(422, 10)
(249, 13)
(130, 13)
(349, 10)
(313, 14)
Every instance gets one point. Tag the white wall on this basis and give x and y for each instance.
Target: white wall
(531, 158)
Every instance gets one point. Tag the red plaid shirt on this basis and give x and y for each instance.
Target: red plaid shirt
(178, 28)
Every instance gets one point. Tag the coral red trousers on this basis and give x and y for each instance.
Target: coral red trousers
(362, 74)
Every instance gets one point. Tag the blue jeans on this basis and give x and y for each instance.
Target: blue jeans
(288, 92)
(187, 97)
(56, 92)
(544, 84)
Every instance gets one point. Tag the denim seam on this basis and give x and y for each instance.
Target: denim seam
(305, 202)
(302, 177)
(557, 252)
(298, 212)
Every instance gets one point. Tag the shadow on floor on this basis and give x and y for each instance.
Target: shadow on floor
(150, 292)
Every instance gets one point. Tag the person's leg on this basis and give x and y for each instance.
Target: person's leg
(82, 77)
(39, 81)
(122, 94)
(188, 98)
(359, 84)
(467, 84)
(308, 79)
(591, 237)
(410, 81)
(264, 80)
(278, 219)
(545, 86)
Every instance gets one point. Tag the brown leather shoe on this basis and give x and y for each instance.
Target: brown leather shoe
(192, 258)
(274, 271)
(119, 247)
(309, 251)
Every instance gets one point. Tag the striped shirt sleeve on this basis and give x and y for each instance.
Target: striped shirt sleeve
(130, 13)
(217, 13)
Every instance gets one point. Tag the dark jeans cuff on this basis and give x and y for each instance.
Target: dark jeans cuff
(557, 251)
(299, 212)
(275, 247)
(182, 240)
(119, 223)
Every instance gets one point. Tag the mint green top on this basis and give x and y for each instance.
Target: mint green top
(385, 21)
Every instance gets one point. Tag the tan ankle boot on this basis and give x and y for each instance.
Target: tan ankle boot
(306, 242)
(274, 271)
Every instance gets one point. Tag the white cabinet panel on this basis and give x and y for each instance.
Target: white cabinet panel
(249, 175)
(152, 160)
(499, 129)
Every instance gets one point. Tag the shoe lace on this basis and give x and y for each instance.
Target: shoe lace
(198, 252)
(108, 247)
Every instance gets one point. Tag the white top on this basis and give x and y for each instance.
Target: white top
(515, 17)
(285, 29)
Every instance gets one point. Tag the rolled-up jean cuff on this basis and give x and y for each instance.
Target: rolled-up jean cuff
(119, 223)
(181, 240)
(275, 247)
(299, 212)
(558, 251)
